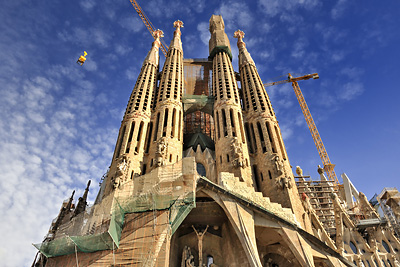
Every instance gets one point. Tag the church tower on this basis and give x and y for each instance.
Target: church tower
(128, 159)
(165, 140)
(230, 143)
(271, 167)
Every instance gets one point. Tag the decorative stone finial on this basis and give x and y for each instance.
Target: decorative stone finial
(178, 24)
(239, 35)
(157, 34)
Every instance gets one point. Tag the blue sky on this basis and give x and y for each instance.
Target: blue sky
(59, 121)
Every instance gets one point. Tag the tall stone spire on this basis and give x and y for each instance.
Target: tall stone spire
(230, 142)
(129, 151)
(271, 166)
(165, 142)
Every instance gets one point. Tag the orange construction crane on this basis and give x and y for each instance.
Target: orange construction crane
(149, 25)
(328, 166)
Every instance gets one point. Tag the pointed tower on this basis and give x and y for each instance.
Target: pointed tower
(230, 142)
(129, 151)
(271, 167)
(165, 141)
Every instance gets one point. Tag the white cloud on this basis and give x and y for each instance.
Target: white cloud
(350, 90)
(236, 15)
(338, 10)
(87, 5)
(275, 7)
(203, 28)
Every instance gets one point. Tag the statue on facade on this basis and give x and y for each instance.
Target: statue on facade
(161, 152)
(200, 236)
(122, 166)
(278, 165)
(187, 257)
(299, 171)
(237, 154)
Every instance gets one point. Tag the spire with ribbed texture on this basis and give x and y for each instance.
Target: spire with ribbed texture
(271, 167)
(166, 140)
(128, 160)
(230, 142)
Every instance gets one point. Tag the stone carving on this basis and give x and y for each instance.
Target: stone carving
(238, 160)
(122, 166)
(285, 182)
(200, 236)
(299, 171)
(278, 165)
(320, 170)
(161, 152)
(187, 257)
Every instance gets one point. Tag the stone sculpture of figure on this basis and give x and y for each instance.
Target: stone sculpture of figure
(187, 257)
(237, 154)
(200, 236)
(278, 165)
(299, 171)
(121, 166)
(320, 170)
(161, 152)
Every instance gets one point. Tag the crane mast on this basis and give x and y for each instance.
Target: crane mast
(328, 166)
(148, 25)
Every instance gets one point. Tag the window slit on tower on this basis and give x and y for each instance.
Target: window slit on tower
(165, 123)
(179, 125)
(249, 140)
(156, 128)
(232, 122)
(148, 139)
(241, 128)
(224, 123)
(120, 142)
(218, 129)
(260, 133)
(128, 145)
(271, 139)
(173, 123)
(139, 137)
(280, 143)
(253, 136)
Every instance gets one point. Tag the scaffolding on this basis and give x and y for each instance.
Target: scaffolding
(320, 193)
(154, 204)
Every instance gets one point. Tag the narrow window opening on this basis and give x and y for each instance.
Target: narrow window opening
(131, 175)
(220, 159)
(151, 163)
(271, 139)
(173, 123)
(227, 157)
(165, 123)
(218, 129)
(269, 174)
(156, 128)
(280, 143)
(241, 128)
(139, 137)
(179, 126)
(170, 158)
(253, 135)
(120, 142)
(130, 137)
(148, 139)
(224, 123)
(260, 133)
(249, 140)
(262, 177)
(232, 122)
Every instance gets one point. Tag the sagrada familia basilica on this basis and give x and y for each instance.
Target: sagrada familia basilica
(200, 177)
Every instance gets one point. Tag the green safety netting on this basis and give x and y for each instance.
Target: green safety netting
(170, 187)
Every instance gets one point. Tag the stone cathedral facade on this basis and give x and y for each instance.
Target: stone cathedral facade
(200, 177)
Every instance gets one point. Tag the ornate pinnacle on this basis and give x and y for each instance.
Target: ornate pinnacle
(178, 24)
(239, 35)
(157, 34)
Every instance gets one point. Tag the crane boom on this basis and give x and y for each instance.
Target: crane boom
(328, 166)
(148, 25)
